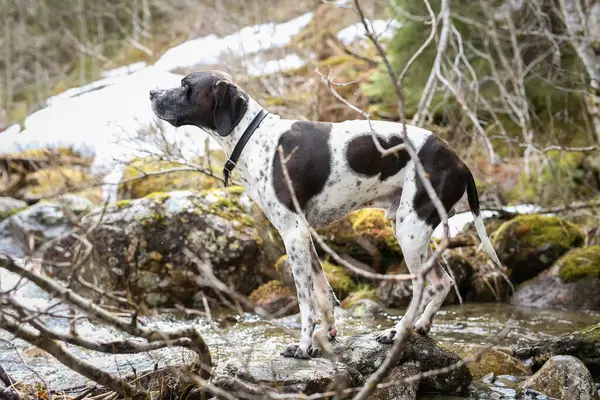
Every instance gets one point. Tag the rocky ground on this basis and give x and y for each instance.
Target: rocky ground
(158, 248)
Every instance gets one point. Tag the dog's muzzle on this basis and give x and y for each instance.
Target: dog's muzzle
(155, 93)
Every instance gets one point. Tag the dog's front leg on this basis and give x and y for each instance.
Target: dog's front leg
(298, 246)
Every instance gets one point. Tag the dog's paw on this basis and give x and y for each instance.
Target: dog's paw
(290, 351)
(294, 350)
(422, 327)
(387, 336)
(306, 354)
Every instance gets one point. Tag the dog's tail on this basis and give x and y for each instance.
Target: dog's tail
(473, 198)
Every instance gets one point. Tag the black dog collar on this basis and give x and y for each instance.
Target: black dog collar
(230, 163)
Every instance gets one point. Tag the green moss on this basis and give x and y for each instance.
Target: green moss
(341, 283)
(50, 182)
(537, 230)
(227, 205)
(592, 333)
(122, 203)
(372, 224)
(529, 244)
(362, 292)
(160, 197)
(169, 181)
(580, 264)
(154, 219)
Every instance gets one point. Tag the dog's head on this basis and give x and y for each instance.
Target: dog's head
(208, 100)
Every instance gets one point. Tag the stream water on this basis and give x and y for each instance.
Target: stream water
(248, 335)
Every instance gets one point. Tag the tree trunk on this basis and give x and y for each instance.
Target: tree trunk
(8, 52)
(584, 34)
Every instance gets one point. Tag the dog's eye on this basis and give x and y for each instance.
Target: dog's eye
(188, 91)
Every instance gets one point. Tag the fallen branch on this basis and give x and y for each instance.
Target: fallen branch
(59, 352)
(196, 342)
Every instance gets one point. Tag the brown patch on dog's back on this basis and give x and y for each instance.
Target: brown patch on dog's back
(364, 158)
(309, 166)
(448, 175)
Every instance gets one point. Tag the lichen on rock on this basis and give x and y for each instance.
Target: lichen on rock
(145, 246)
(564, 377)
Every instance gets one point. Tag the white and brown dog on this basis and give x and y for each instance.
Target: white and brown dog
(335, 169)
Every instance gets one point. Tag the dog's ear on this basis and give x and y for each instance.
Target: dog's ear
(230, 105)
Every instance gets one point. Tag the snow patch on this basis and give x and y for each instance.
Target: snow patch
(383, 28)
(257, 66)
(457, 223)
(211, 49)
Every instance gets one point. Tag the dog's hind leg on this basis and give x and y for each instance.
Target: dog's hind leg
(301, 253)
(440, 284)
(413, 234)
(326, 300)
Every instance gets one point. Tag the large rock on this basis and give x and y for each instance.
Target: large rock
(40, 223)
(399, 294)
(491, 360)
(10, 206)
(365, 354)
(353, 360)
(290, 375)
(367, 236)
(529, 244)
(155, 248)
(564, 377)
(572, 283)
(584, 344)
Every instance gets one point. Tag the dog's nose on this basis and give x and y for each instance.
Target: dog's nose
(154, 92)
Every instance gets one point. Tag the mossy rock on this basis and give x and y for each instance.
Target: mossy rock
(492, 360)
(529, 244)
(275, 298)
(580, 264)
(571, 284)
(49, 183)
(583, 344)
(341, 283)
(362, 293)
(167, 182)
(144, 246)
(366, 235)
